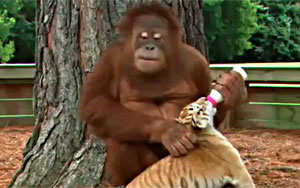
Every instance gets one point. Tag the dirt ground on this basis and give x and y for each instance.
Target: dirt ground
(272, 156)
(12, 142)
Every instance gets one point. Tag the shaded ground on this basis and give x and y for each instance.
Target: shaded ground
(272, 156)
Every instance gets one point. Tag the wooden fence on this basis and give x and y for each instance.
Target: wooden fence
(273, 88)
(274, 95)
(16, 94)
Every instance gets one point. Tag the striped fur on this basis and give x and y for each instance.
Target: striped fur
(215, 163)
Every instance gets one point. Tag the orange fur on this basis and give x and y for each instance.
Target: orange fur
(215, 163)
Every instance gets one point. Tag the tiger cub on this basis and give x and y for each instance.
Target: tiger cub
(215, 163)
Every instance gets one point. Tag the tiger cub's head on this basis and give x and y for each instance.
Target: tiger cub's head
(198, 114)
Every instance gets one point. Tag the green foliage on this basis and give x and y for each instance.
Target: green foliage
(278, 37)
(6, 51)
(6, 46)
(22, 32)
(228, 26)
(11, 6)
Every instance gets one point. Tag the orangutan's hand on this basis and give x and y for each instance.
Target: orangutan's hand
(232, 87)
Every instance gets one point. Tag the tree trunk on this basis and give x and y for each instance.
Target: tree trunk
(71, 35)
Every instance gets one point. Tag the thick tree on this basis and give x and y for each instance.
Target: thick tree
(71, 35)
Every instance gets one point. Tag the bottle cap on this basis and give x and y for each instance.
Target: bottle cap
(241, 71)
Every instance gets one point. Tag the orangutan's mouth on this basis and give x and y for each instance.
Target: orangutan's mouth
(148, 58)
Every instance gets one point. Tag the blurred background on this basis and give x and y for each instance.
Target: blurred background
(236, 31)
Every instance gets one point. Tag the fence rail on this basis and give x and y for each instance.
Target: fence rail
(274, 94)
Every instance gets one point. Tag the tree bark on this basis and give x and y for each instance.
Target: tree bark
(71, 35)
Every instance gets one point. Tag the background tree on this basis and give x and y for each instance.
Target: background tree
(70, 37)
(7, 21)
(17, 30)
(23, 32)
(228, 28)
(278, 36)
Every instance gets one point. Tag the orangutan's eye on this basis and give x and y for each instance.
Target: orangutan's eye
(144, 35)
(157, 36)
